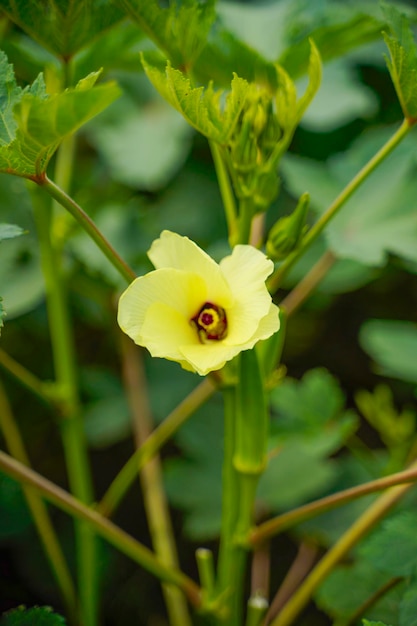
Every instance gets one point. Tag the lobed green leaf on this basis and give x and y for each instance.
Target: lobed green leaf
(379, 218)
(403, 60)
(362, 580)
(179, 30)
(33, 123)
(62, 26)
(408, 605)
(201, 107)
(392, 548)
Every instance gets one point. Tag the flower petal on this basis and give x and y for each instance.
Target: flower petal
(209, 357)
(246, 270)
(267, 326)
(174, 251)
(184, 292)
(165, 330)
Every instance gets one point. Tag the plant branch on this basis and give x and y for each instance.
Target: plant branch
(225, 190)
(38, 510)
(275, 280)
(71, 425)
(157, 510)
(102, 526)
(307, 511)
(43, 390)
(88, 225)
(154, 442)
(297, 296)
(363, 525)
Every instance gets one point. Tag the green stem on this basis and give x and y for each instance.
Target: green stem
(244, 222)
(88, 225)
(231, 562)
(275, 280)
(156, 505)
(205, 564)
(43, 390)
(303, 513)
(297, 296)
(155, 441)
(39, 511)
(351, 537)
(72, 430)
(225, 190)
(102, 526)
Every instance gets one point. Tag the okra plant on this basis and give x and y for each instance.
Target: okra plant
(169, 247)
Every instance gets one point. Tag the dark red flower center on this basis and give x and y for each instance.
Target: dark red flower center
(211, 322)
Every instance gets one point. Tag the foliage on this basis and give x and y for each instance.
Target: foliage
(38, 616)
(280, 130)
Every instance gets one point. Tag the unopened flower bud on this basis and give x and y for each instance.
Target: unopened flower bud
(287, 233)
(244, 153)
(267, 187)
(271, 134)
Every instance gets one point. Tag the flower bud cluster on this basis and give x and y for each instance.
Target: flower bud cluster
(250, 150)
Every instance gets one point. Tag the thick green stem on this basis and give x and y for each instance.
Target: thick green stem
(39, 511)
(156, 505)
(244, 223)
(232, 556)
(275, 280)
(102, 526)
(72, 430)
(352, 536)
(88, 225)
(125, 478)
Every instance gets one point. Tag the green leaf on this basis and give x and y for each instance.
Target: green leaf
(143, 147)
(63, 26)
(335, 28)
(14, 513)
(310, 425)
(200, 106)
(179, 30)
(344, 276)
(307, 405)
(403, 62)
(408, 606)
(393, 547)
(225, 55)
(10, 231)
(341, 99)
(299, 472)
(194, 482)
(366, 622)
(314, 80)
(393, 345)
(362, 580)
(21, 279)
(30, 135)
(395, 428)
(327, 528)
(379, 218)
(37, 616)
